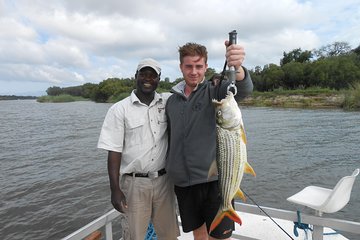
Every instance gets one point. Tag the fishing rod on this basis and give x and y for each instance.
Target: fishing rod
(268, 215)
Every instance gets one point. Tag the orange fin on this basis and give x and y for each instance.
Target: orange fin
(243, 135)
(230, 213)
(248, 169)
(240, 194)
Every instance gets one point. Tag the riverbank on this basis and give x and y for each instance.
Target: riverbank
(295, 101)
(300, 98)
(256, 100)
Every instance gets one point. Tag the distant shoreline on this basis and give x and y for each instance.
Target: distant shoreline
(14, 97)
(319, 101)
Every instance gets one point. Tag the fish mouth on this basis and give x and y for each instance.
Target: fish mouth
(217, 102)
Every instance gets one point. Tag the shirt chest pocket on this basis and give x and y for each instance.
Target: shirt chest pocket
(135, 132)
(161, 118)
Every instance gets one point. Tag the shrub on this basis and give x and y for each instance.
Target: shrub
(352, 99)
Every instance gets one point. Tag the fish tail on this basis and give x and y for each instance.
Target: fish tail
(230, 213)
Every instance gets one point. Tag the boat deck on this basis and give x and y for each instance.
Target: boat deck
(256, 225)
(261, 227)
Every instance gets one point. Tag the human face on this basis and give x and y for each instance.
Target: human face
(193, 69)
(147, 80)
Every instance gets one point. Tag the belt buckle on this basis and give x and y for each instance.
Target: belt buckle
(153, 175)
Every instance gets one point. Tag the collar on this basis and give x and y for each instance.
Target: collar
(135, 99)
(180, 87)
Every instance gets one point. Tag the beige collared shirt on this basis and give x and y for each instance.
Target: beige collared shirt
(138, 131)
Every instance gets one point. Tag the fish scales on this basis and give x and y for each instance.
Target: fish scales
(229, 154)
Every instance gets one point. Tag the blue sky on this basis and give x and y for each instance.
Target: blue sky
(69, 43)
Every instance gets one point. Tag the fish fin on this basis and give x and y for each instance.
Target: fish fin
(240, 195)
(243, 135)
(248, 169)
(213, 170)
(230, 213)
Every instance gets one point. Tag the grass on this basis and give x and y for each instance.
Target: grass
(352, 99)
(304, 92)
(299, 98)
(60, 99)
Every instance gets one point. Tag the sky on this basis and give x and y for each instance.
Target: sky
(73, 42)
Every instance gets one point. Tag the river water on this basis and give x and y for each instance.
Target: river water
(53, 179)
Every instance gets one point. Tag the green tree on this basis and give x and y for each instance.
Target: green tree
(293, 75)
(338, 72)
(257, 70)
(296, 55)
(112, 87)
(89, 89)
(73, 91)
(357, 50)
(258, 83)
(209, 73)
(272, 77)
(343, 72)
(256, 78)
(54, 91)
(165, 86)
(332, 50)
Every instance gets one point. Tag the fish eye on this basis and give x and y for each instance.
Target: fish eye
(219, 113)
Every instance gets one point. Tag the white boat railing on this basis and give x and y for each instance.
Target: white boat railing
(103, 221)
(318, 223)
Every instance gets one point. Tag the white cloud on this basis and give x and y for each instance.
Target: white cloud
(11, 29)
(62, 52)
(39, 73)
(72, 42)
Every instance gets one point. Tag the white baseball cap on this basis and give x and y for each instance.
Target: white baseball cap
(149, 62)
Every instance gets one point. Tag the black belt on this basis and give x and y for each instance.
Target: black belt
(148, 174)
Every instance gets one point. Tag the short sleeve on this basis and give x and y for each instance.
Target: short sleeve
(112, 131)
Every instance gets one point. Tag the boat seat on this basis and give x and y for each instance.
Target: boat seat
(324, 200)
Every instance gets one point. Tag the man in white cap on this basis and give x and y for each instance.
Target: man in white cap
(135, 135)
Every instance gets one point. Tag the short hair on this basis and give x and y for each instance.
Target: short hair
(193, 49)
